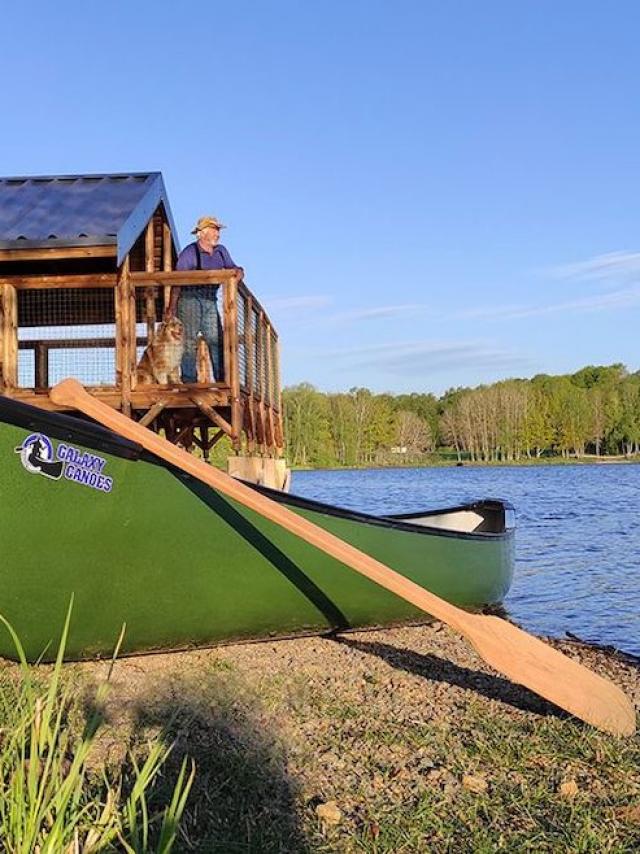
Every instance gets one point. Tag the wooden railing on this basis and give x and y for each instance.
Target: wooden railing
(250, 388)
(250, 341)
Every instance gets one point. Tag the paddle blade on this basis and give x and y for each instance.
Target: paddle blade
(531, 662)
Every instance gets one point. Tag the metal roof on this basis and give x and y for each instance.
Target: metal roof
(80, 210)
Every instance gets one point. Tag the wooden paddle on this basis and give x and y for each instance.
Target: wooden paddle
(523, 658)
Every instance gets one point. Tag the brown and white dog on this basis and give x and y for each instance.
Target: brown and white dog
(160, 362)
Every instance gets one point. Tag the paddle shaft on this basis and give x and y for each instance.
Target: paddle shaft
(71, 393)
(521, 657)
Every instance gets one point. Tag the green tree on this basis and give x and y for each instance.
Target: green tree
(307, 425)
(596, 408)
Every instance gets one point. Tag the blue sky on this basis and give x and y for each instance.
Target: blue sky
(422, 194)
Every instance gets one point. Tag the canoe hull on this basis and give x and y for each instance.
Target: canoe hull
(137, 542)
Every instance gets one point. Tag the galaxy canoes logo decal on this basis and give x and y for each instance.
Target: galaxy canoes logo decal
(38, 456)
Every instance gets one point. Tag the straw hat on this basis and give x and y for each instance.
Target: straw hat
(207, 222)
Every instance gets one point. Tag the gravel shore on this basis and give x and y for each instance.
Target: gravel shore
(389, 740)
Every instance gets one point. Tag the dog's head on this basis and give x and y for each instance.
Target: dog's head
(171, 331)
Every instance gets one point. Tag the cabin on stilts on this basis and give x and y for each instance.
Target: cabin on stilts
(86, 271)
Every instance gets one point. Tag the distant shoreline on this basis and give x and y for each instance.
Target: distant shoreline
(526, 463)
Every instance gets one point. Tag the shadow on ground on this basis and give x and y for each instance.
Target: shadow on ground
(242, 799)
(441, 670)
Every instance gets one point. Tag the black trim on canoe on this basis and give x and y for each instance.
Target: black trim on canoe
(400, 522)
(72, 428)
(68, 428)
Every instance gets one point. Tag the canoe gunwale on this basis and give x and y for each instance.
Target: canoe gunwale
(400, 522)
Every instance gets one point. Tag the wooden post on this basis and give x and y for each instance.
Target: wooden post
(204, 441)
(269, 372)
(232, 372)
(2, 338)
(133, 333)
(280, 416)
(227, 331)
(204, 368)
(41, 365)
(248, 421)
(167, 260)
(150, 293)
(259, 345)
(249, 350)
(9, 338)
(118, 304)
(124, 343)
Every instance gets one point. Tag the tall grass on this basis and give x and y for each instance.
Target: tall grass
(51, 802)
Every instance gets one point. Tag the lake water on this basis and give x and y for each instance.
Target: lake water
(577, 535)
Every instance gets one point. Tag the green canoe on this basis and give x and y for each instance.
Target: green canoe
(138, 542)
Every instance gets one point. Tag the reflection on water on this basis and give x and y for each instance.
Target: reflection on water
(577, 538)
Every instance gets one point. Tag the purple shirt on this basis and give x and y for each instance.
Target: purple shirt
(219, 259)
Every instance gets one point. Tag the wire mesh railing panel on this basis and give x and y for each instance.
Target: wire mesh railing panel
(256, 331)
(65, 306)
(94, 366)
(66, 332)
(47, 355)
(149, 305)
(27, 368)
(243, 366)
(71, 332)
(266, 377)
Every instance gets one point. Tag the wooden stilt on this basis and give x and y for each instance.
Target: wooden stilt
(204, 441)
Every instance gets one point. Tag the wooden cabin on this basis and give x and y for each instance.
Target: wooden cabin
(86, 270)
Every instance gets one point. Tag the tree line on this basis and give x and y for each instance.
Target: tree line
(593, 411)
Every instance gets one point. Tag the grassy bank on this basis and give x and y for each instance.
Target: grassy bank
(394, 741)
(55, 794)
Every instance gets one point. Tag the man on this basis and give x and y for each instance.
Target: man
(197, 306)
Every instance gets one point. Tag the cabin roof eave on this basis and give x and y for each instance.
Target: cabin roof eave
(137, 220)
(51, 243)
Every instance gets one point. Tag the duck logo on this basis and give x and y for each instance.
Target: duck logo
(36, 454)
